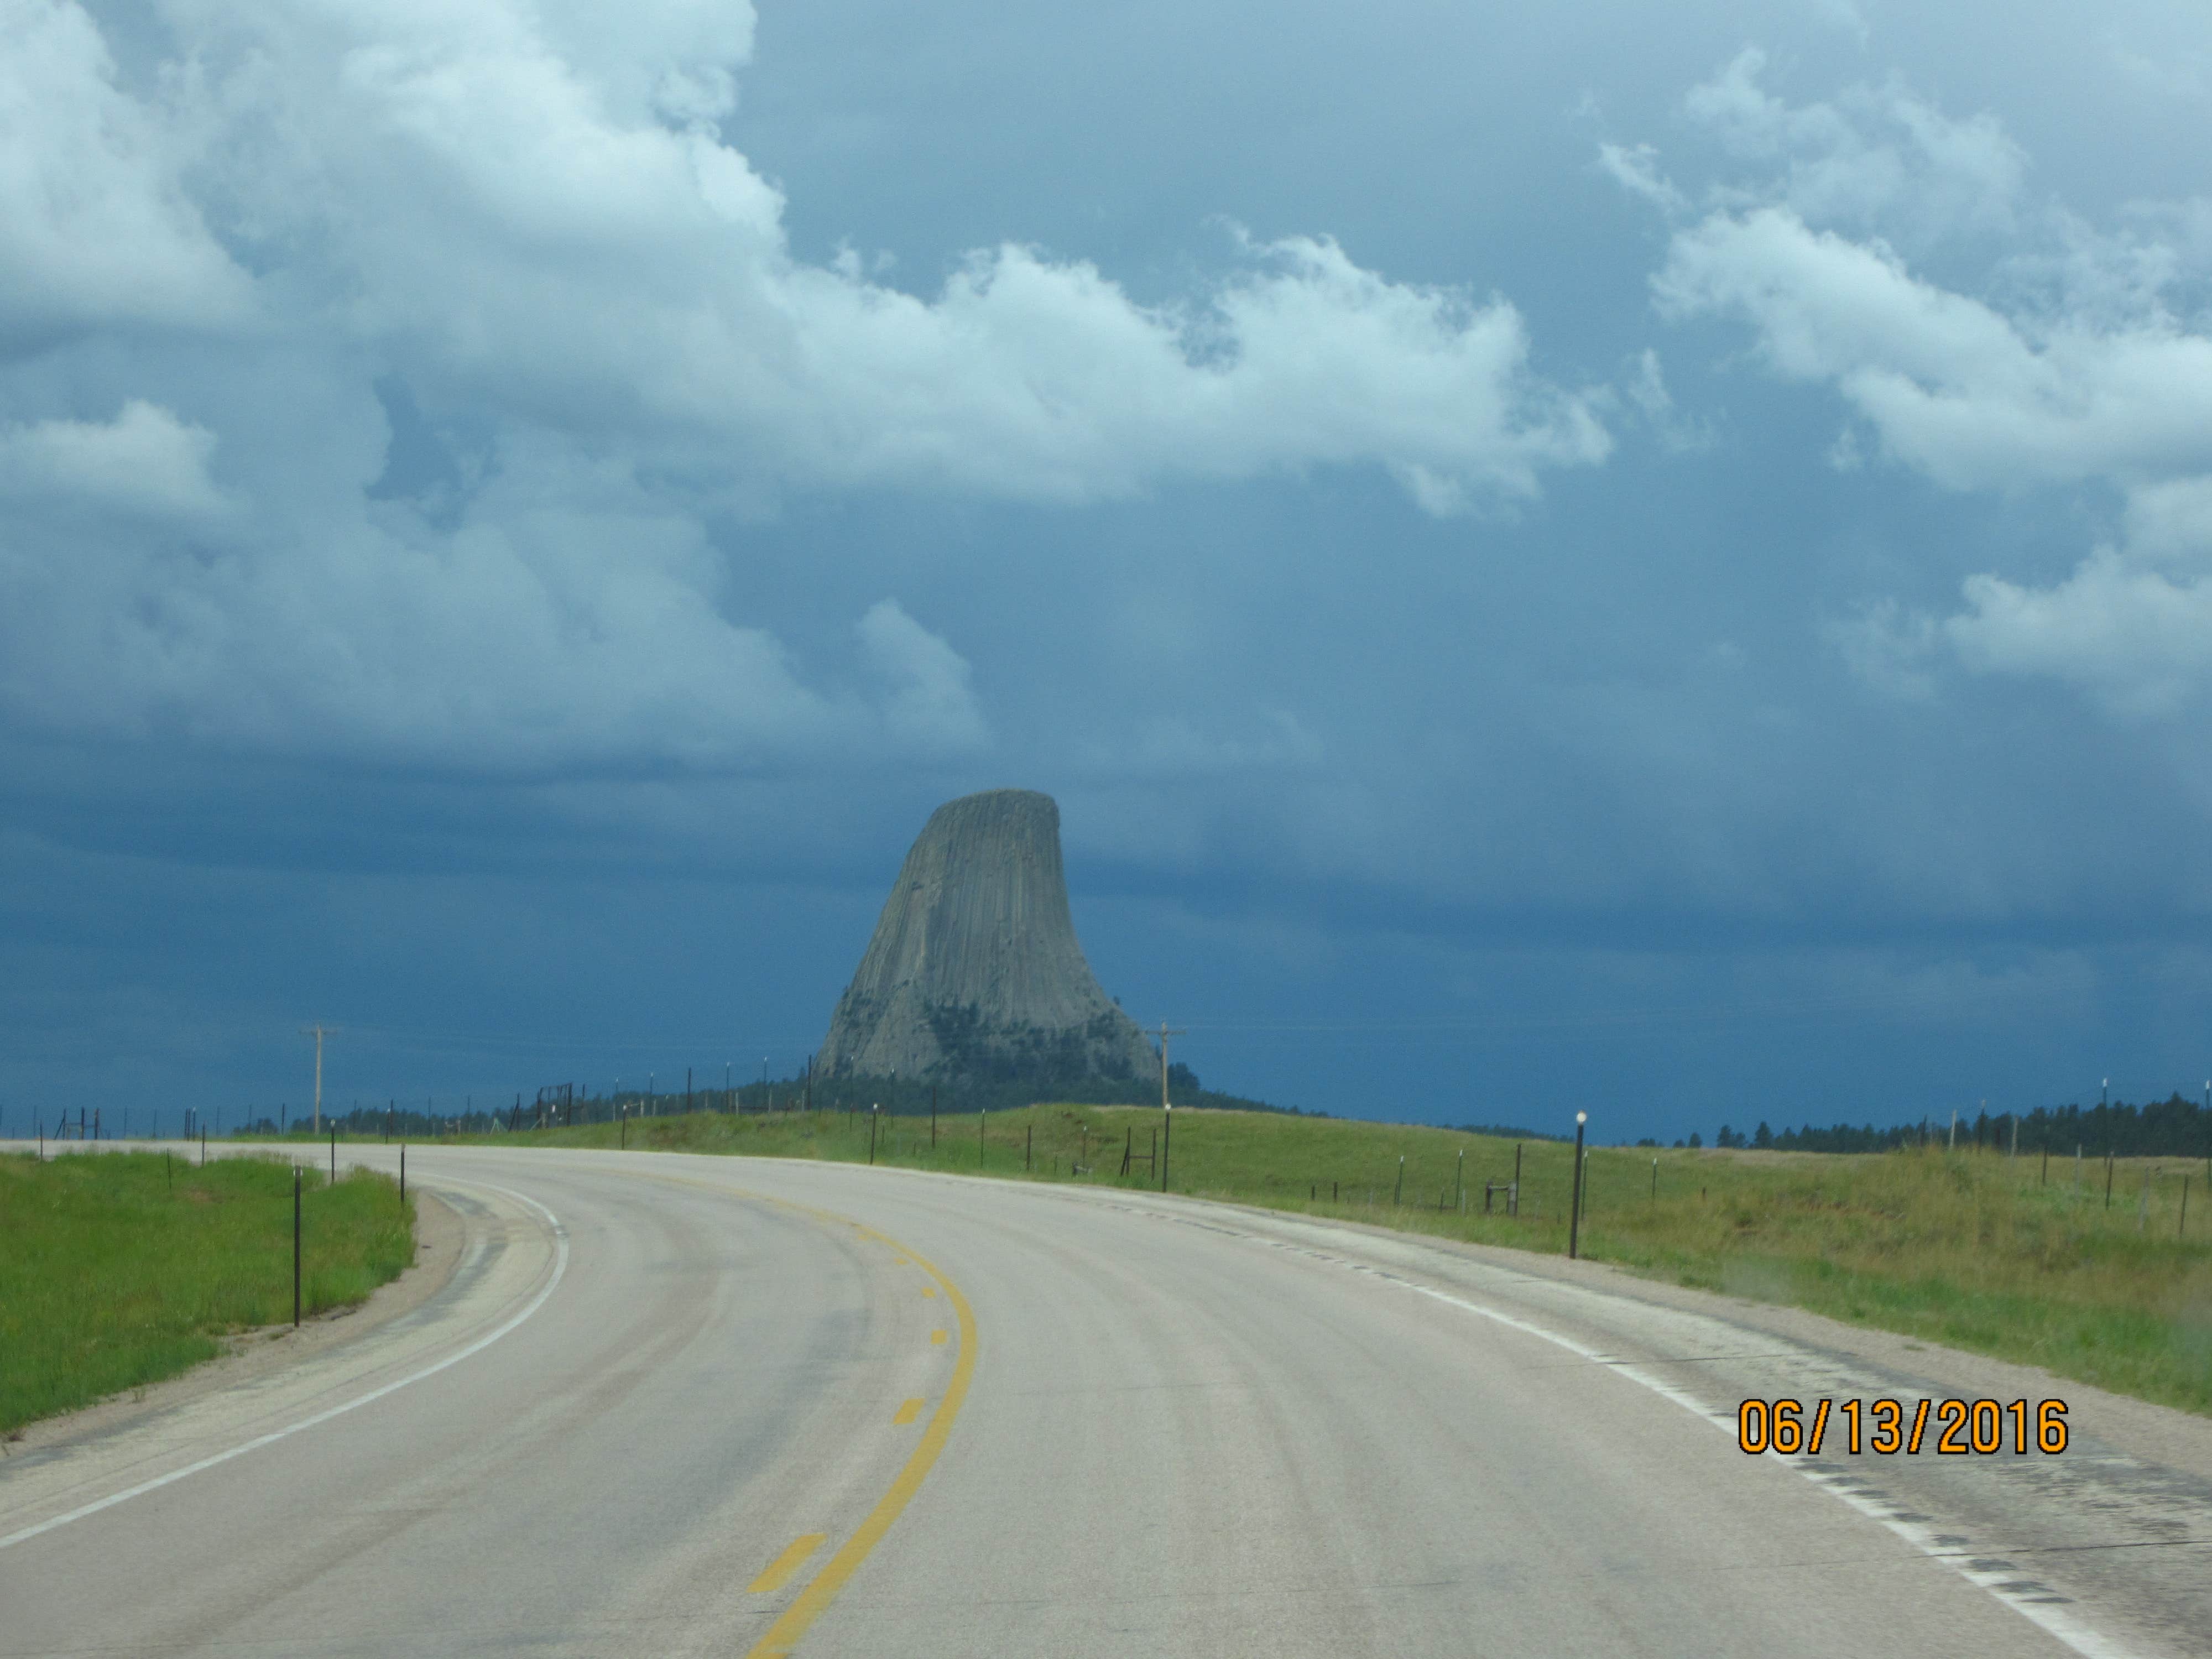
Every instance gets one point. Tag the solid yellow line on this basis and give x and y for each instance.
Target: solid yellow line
(937, 1336)
(814, 1601)
(780, 1570)
(907, 1413)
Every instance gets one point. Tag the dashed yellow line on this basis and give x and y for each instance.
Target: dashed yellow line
(780, 1570)
(907, 1413)
(929, 1290)
(814, 1601)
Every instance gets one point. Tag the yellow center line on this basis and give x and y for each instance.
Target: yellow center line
(779, 1572)
(907, 1413)
(811, 1603)
(814, 1601)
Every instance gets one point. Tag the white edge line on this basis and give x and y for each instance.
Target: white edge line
(2056, 1622)
(560, 1268)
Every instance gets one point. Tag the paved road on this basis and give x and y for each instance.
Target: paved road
(974, 1418)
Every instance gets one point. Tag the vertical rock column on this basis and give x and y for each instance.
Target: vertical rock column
(974, 969)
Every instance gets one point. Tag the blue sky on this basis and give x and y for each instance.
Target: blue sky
(1647, 560)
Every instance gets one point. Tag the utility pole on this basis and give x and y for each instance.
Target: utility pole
(318, 1032)
(1167, 1107)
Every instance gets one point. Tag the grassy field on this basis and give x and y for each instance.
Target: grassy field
(119, 1269)
(1972, 1249)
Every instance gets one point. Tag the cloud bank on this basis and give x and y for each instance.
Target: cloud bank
(2079, 364)
(396, 382)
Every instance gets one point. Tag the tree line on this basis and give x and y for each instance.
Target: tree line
(2173, 1127)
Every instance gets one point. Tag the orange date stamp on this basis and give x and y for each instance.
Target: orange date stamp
(1948, 1428)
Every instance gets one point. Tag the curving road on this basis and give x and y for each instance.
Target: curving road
(673, 1406)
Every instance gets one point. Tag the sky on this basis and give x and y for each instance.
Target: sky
(1648, 560)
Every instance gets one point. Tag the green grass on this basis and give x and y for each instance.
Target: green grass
(1972, 1250)
(119, 1269)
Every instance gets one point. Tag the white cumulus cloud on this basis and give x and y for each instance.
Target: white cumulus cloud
(257, 231)
(144, 461)
(2070, 368)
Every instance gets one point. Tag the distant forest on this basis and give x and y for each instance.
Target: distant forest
(2173, 1127)
(903, 1096)
(561, 1104)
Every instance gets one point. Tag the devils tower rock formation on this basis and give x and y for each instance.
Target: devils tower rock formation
(974, 974)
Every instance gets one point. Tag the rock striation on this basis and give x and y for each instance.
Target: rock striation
(974, 974)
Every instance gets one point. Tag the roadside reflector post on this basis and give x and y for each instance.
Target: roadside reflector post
(1575, 1216)
(403, 1174)
(1028, 1149)
(1459, 1181)
(982, 1117)
(296, 1247)
(873, 1110)
(1398, 1193)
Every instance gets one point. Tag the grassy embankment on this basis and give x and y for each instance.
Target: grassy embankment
(119, 1270)
(1972, 1249)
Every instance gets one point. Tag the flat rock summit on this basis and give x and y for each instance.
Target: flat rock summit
(974, 974)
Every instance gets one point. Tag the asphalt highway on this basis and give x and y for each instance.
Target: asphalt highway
(674, 1405)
